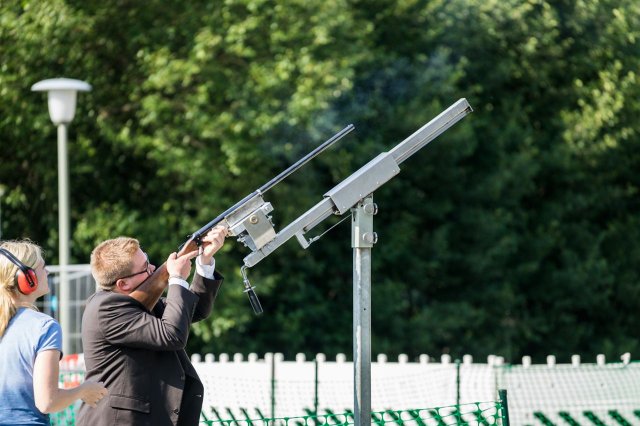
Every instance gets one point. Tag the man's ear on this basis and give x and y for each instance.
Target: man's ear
(123, 287)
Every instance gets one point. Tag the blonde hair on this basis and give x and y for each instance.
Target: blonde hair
(26, 252)
(113, 259)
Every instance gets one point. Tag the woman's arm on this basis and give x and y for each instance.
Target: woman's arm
(48, 397)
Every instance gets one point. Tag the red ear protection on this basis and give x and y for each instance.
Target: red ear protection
(27, 282)
(26, 277)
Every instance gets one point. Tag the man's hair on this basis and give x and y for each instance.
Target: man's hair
(113, 259)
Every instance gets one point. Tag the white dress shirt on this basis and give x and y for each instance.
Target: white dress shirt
(205, 271)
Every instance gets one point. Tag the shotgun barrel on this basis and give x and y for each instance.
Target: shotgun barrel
(267, 186)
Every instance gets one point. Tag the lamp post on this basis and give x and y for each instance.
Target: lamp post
(62, 107)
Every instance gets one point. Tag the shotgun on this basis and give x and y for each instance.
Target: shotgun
(248, 220)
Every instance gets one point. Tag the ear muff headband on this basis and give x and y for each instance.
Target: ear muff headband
(26, 277)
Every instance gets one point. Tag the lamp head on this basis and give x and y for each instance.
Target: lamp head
(61, 97)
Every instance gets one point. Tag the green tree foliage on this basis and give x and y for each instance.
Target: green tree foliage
(513, 233)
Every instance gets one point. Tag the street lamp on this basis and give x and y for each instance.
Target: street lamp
(62, 107)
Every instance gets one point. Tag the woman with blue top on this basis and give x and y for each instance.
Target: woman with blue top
(31, 343)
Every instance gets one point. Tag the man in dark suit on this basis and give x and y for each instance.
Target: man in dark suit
(138, 353)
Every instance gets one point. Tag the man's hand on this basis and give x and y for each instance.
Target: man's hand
(212, 242)
(180, 266)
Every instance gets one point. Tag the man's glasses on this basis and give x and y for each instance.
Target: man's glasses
(147, 270)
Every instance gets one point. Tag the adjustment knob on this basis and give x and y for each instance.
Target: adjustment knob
(370, 237)
(371, 208)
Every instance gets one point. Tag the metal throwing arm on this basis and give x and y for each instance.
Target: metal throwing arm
(361, 183)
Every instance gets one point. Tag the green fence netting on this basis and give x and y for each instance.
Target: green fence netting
(473, 414)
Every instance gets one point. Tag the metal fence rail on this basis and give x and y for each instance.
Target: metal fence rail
(81, 286)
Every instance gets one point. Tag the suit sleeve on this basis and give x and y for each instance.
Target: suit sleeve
(207, 290)
(125, 322)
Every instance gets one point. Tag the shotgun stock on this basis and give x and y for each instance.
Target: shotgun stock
(149, 292)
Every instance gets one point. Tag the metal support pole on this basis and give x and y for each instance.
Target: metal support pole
(502, 393)
(457, 412)
(315, 388)
(458, 384)
(2, 191)
(63, 245)
(273, 386)
(362, 240)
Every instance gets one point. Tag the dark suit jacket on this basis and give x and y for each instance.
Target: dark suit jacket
(140, 356)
